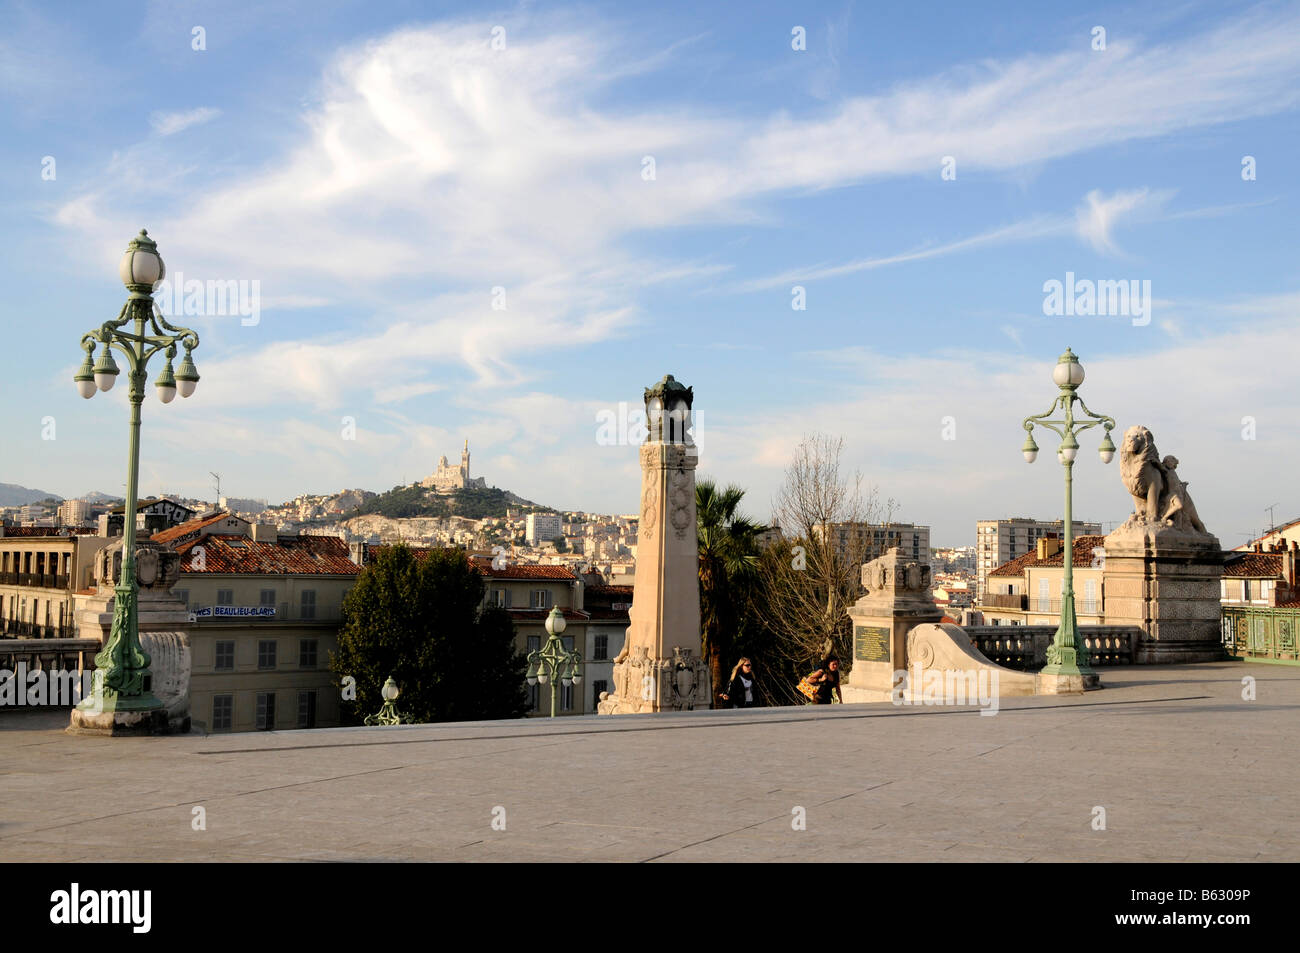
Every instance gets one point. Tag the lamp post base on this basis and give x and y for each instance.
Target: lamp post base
(116, 723)
(1063, 683)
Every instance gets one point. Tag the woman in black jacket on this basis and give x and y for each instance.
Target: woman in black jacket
(827, 680)
(743, 690)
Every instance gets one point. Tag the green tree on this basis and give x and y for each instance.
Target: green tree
(421, 619)
(728, 547)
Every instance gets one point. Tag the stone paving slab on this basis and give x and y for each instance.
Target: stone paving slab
(1185, 769)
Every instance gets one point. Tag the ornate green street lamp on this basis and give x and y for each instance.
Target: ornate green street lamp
(388, 713)
(122, 678)
(1068, 656)
(553, 661)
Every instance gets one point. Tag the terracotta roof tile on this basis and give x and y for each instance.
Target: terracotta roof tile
(294, 555)
(34, 532)
(1015, 567)
(1253, 565)
(524, 572)
(1083, 556)
(181, 530)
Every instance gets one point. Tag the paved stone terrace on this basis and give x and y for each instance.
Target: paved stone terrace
(1186, 770)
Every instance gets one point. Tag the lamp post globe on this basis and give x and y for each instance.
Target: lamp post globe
(141, 267)
(1068, 371)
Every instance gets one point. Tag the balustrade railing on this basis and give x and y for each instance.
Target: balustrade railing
(1024, 647)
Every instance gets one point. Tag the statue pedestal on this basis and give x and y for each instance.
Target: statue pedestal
(1165, 581)
(897, 599)
(644, 684)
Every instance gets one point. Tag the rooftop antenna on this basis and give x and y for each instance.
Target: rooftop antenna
(217, 477)
(1271, 523)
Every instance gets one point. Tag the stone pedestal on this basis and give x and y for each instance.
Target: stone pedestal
(897, 599)
(660, 668)
(163, 625)
(1165, 580)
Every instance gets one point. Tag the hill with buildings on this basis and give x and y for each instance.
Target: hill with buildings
(406, 502)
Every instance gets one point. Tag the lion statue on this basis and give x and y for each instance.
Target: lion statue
(1159, 495)
(1139, 468)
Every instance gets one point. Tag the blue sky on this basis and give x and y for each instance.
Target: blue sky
(380, 168)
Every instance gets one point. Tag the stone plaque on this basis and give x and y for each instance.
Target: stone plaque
(871, 643)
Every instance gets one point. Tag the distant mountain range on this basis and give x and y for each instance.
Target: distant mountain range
(11, 494)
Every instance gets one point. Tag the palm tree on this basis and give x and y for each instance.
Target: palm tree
(728, 548)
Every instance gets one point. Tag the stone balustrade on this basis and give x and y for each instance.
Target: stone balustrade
(1024, 647)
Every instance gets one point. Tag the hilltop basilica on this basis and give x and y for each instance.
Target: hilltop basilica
(447, 478)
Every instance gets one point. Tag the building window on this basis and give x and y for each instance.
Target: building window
(308, 604)
(266, 711)
(598, 686)
(225, 597)
(223, 712)
(541, 599)
(534, 643)
(306, 709)
(566, 697)
(307, 653)
(498, 599)
(266, 653)
(600, 648)
(1044, 596)
(1090, 596)
(267, 598)
(534, 698)
(225, 657)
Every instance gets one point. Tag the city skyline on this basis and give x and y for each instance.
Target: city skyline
(387, 172)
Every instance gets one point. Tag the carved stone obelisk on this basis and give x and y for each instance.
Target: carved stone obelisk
(660, 668)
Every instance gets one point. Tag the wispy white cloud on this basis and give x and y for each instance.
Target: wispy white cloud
(170, 123)
(1099, 214)
(1037, 227)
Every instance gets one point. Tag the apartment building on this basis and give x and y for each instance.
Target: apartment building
(1027, 590)
(40, 569)
(596, 620)
(997, 542)
(265, 613)
(866, 541)
(542, 528)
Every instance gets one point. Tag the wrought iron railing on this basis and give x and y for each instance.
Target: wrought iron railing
(1004, 600)
(1262, 633)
